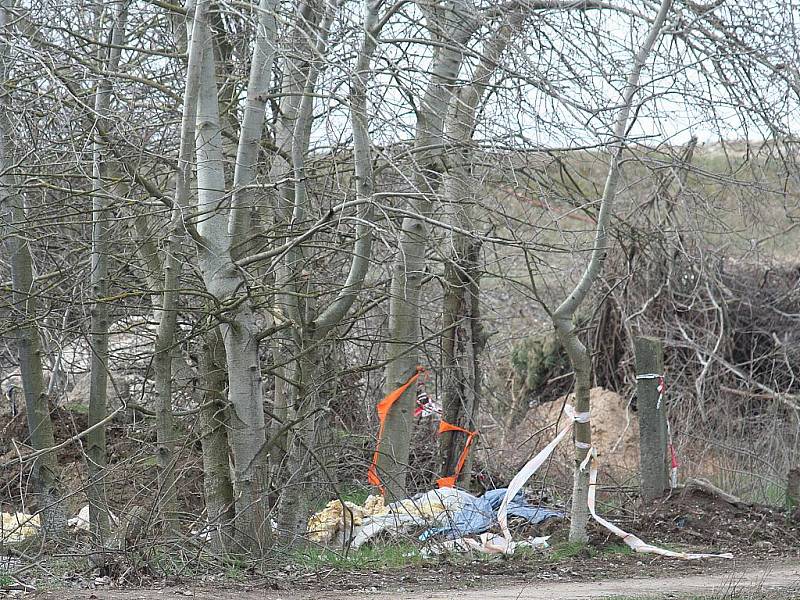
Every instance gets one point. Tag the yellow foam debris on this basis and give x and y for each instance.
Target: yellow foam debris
(18, 526)
(324, 525)
(374, 505)
(428, 506)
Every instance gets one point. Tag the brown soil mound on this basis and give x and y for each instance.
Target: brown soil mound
(615, 432)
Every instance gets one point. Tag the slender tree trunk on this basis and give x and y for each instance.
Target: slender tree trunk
(463, 337)
(452, 24)
(162, 278)
(224, 281)
(295, 498)
(462, 342)
(214, 418)
(98, 336)
(286, 344)
(45, 473)
(166, 317)
(564, 316)
(307, 331)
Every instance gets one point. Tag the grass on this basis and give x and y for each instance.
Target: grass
(565, 550)
(383, 557)
(76, 407)
(750, 487)
(357, 494)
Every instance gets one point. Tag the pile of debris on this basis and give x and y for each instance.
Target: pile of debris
(444, 519)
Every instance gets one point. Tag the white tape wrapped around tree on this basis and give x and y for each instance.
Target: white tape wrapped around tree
(519, 480)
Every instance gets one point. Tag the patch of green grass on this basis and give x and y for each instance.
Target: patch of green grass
(235, 572)
(367, 557)
(355, 493)
(5, 580)
(566, 550)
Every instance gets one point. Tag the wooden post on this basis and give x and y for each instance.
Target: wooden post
(652, 417)
(793, 489)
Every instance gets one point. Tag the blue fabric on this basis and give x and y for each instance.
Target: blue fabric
(479, 514)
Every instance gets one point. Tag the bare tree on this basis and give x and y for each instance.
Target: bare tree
(114, 13)
(40, 426)
(450, 25)
(564, 315)
(216, 227)
(463, 336)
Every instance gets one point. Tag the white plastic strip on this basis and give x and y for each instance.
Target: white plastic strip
(633, 542)
(649, 376)
(537, 461)
(582, 417)
(529, 469)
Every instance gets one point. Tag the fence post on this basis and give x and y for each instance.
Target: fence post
(793, 489)
(649, 355)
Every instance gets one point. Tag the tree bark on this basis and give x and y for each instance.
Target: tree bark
(452, 24)
(463, 338)
(99, 322)
(462, 343)
(162, 278)
(310, 326)
(45, 473)
(217, 484)
(224, 281)
(286, 343)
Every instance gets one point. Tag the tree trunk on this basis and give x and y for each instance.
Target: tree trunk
(162, 279)
(286, 343)
(45, 475)
(462, 342)
(225, 283)
(217, 484)
(452, 23)
(463, 337)
(582, 366)
(295, 498)
(164, 351)
(563, 317)
(99, 323)
(311, 326)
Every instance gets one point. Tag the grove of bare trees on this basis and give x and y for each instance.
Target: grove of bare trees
(230, 228)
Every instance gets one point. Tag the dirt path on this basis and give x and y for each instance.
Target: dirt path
(777, 576)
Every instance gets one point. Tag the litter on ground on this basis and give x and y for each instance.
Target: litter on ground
(18, 526)
(448, 516)
(81, 520)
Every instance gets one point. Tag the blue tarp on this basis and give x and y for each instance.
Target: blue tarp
(479, 514)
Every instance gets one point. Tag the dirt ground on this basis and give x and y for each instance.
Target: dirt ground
(717, 580)
(763, 540)
(765, 543)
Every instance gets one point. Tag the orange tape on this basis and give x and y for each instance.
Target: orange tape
(383, 410)
(450, 481)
